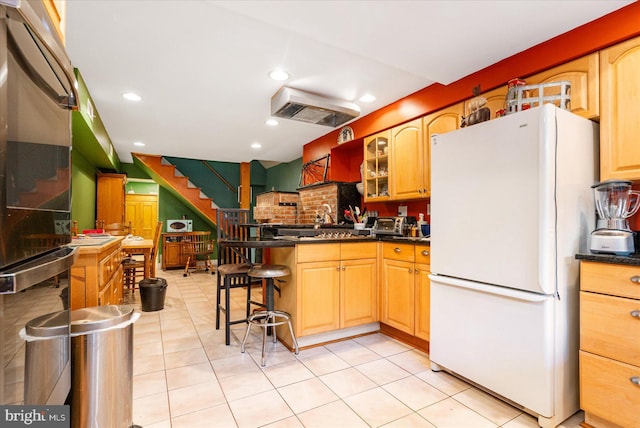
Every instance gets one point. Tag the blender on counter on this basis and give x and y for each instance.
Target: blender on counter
(615, 202)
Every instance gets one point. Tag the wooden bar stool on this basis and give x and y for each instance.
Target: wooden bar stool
(267, 318)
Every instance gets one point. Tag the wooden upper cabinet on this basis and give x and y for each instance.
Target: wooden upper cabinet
(376, 167)
(110, 198)
(583, 74)
(440, 122)
(619, 111)
(407, 161)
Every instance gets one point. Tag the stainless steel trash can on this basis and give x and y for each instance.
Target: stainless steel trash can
(46, 358)
(102, 366)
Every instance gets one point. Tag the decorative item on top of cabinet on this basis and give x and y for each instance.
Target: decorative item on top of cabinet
(609, 345)
(583, 76)
(376, 167)
(619, 111)
(478, 111)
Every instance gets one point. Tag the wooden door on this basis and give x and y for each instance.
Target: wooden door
(398, 295)
(358, 304)
(318, 297)
(142, 212)
(406, 171)
(110, 199)
(423, 301)
(619, 111)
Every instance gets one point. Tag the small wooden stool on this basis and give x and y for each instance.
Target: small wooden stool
(267, 318)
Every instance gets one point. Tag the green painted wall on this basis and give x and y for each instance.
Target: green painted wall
(83, 191)
(284, 177)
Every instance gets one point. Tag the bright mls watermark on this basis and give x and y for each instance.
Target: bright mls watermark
(35, 416)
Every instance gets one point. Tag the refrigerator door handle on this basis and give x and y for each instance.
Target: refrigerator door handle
(35, 271)
(491, 289)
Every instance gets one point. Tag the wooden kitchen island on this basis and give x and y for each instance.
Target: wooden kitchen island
(96, 276)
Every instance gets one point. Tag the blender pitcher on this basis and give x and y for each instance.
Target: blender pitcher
(616, 202)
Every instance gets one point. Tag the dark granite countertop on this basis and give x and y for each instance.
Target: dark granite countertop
(290, 241)
(632, 259)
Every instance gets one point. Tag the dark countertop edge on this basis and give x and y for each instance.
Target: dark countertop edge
(275, 243)
(632, 260)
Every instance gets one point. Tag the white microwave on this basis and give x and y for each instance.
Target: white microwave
(180, 225)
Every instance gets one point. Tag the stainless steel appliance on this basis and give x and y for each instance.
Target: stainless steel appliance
(36, 95)
(393, 226)
(615, 202)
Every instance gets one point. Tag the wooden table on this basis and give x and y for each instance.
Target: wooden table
(141, 247)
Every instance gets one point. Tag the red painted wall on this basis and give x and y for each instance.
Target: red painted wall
(605, 31)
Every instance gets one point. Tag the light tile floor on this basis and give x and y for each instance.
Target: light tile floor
(185, 376)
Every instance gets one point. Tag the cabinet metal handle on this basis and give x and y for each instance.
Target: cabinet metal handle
(635, 279)
(635, 380)
(635, 314)
(344, 268)
(416, 271)
(425, 253)
(410, 271)
(338, 268)
(396, 250)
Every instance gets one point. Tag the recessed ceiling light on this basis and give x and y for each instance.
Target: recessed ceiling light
(139, 143)
(256, 146)
(131, 96)
(271, 122)
(367, 98)
(279, 75)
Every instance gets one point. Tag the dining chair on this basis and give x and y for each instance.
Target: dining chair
(134, 267)
(118, 229)
(195, 247)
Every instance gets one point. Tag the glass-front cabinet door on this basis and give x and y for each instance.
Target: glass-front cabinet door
(376, 167)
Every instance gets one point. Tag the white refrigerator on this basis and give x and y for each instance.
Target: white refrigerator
(511, 205)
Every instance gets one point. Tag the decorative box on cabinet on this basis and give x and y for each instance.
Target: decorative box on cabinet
(110, 198)
(610, 344)
(583, 74)
(619, 111)
(96, 276)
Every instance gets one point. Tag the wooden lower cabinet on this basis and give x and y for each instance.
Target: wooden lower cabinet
(398, 295)
(172, 257)
(610, 344)
(319, 297)
(405, 288)
(96, 276)
(332, 286)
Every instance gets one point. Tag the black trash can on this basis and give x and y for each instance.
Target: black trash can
(152, 292)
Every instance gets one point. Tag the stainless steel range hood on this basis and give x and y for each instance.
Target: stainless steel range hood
(295, 104)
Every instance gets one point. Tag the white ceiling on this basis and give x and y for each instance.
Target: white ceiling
(201, 66)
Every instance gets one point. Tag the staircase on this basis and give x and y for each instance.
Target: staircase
(168, 176)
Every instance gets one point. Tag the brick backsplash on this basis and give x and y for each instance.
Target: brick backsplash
(309, 202)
